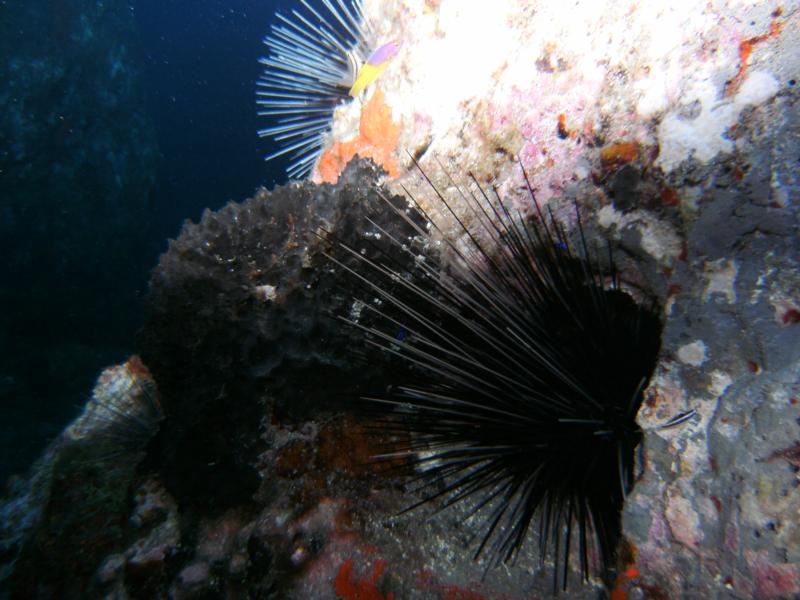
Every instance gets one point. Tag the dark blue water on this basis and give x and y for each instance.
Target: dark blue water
(200, 66)
(78, 245)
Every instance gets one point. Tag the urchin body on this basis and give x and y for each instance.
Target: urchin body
(527, 366)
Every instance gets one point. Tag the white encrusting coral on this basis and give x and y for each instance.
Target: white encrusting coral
(477, 84)
(698, 128)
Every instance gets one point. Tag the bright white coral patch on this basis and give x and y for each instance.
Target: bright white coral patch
(659, 239)
(694, 354)
(478, 84)
(720, 276)
(698, 127)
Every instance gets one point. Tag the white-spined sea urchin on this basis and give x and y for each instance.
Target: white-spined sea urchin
(528, 364)
(313, 60)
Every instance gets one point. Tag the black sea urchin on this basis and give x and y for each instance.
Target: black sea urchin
(528, 362)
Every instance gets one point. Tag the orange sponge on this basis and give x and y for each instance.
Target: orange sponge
(616, 155)
(377, 139)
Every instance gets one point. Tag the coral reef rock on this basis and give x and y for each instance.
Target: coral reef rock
(70, 512)
(241, 324)
(674, 128)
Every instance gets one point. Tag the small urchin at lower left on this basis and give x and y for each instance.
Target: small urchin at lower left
(527, 362)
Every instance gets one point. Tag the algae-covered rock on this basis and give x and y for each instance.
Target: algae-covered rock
(72, 510)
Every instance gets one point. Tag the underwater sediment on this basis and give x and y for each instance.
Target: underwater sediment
(678, 146)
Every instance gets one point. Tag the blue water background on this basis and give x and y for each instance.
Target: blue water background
(200, 64)
(197, 63)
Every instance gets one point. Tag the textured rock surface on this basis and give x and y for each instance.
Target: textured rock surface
(715, 513)
(675, 129)
(240, 324)
(560, 89)
(68, 515)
